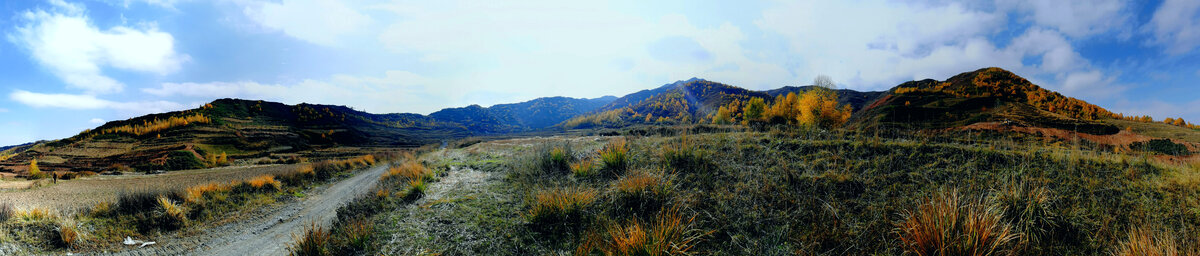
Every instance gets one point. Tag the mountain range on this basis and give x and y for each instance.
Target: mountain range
(254, 129)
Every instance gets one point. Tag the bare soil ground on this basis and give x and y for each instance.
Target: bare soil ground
(69, 195)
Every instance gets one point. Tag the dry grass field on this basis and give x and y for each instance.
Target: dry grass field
(69, 195)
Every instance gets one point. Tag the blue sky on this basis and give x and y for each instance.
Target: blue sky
(69, 65)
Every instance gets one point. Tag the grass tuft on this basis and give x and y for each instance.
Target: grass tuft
(1143, 241)
(556, 208)
(948, 224)
(68, 236)
(669, 233)
(173, 215)
(313, 242)
(615, 156)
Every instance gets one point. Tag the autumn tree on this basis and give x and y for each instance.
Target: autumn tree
(819, 107)
(33, 168)
(222, 160)
(753, 111)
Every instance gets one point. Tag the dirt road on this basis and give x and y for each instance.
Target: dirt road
(271, 232)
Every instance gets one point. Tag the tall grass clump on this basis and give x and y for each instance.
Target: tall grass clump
(669, 233)
(173, 215)
(196, 194)
(68, 235)
(1029, 210)
(558, 208)
(948, 224)
(615, 156)
(137, 201)
(583, 168)
(685, 156)
(643, 192)
(355, 237)
(261, 183)
(409, 170)
(315, 241)
(1143, 241)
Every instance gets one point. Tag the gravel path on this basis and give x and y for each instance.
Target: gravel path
(467, 212)
(270, 232)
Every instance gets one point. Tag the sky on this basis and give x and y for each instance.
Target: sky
(70, 65)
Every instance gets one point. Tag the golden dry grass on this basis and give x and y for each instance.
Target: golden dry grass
(1142, 241)
(409, 170)
(948, 224)
(195, 194)
(556, 204)
(264, 182)
(668, 234)
(174, 211)
(67, 234)
(640, 182)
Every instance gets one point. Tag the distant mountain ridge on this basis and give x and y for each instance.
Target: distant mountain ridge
(251, 128)
(530, 115)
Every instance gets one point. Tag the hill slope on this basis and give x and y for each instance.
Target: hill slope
(984, 95)
(690, 101)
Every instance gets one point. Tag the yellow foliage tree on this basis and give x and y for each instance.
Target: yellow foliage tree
(33, 168)
(819, 106)
(223, 160)
(753, 111)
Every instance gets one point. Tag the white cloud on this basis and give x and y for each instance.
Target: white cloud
(1057, 53)
(74, 50)
(81, 102)
(3, 110)
(168, 4)
(1174, 26)
(875, 44)
(96, 121)
(322, 22)
(396, 91)
(1075, 18)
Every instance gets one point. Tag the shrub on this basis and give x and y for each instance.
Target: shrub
(85, 174)
(668, 234)
(102, 208)
(416, 189)
(947, 224)
(313, 242)
(6, 211)
(615, 156)
(1162, 146)
(68, 236)
(183, 160)
(135, 201)
(556, 208)
(355, 236)
(1142, 241)
(173, 215)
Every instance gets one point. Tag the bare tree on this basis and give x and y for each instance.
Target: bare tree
(824, 81)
